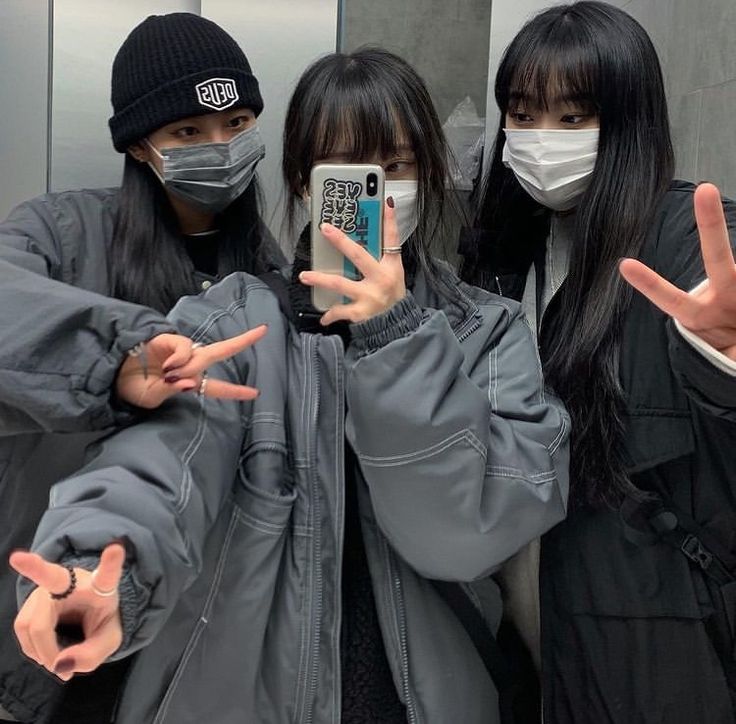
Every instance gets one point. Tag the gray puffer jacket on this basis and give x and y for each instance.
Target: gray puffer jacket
(62, 339)
(61, 343)
(233, 513)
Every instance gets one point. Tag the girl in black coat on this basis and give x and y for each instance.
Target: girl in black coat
(637, 604)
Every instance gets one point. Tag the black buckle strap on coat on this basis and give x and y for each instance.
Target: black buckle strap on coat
(693, 549)
(510, 681)
(645, 522)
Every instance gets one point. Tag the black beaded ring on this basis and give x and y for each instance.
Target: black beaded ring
(72, 585)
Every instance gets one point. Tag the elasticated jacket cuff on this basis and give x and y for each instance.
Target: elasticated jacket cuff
(399, 321)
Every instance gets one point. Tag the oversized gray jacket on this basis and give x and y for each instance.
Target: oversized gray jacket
(233, 513)
(61, 343)
(62, 340)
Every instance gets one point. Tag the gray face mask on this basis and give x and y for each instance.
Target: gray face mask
(211, 175)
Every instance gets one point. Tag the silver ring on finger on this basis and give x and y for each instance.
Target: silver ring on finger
(392, 250)
(99, 591)
(202, 384)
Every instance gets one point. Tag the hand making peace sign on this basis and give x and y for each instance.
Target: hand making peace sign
(710, 312)
(71, 597)
(171, 363)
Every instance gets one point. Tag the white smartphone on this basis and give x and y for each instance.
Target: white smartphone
(350, 197)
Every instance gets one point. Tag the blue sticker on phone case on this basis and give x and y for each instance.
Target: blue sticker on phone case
(367, 225)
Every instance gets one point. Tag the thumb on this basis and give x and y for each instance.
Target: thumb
(90, 653)
(110, 569)
(177, 348)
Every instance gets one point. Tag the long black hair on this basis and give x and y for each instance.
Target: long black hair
(601, 57)
(372, 102)
(149, 263)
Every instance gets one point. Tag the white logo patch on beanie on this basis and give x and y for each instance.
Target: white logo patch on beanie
(217, 93)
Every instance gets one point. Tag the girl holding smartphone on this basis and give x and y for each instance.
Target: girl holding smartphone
(274, 560)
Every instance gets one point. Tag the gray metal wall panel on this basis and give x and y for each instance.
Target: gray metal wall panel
(280, 38)
(24, 54)
(86, 36)
(445, 40)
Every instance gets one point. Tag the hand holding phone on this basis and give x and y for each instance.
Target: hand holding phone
(350, 198)
(382, 283)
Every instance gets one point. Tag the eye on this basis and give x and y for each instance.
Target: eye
(399, 166)
(520, 117)
(240, 121)
(185, 132)
(573, 119)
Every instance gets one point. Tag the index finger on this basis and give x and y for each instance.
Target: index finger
(656, 289)
(51, 576)
(218, 351)
(207, 355)
(715, 244)
(362, 260)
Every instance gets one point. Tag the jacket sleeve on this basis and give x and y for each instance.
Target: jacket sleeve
(711, 388)
(61, 345)
(160, 484)
(464, 453)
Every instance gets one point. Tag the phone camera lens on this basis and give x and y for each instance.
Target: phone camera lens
(371, 184)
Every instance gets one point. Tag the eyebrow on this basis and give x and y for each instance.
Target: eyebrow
(349, 154)
(573, 99)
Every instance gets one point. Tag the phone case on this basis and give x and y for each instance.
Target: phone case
(350, 197)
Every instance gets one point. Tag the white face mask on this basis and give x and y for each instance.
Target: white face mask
(553, 167)
(404, 194)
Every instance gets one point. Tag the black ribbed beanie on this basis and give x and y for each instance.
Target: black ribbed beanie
(174, 66)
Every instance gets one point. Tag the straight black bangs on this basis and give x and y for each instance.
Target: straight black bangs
(546, 64)
(358, 113)
(359, 120)
(360, 106)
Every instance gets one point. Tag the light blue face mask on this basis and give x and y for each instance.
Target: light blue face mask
(211, 175)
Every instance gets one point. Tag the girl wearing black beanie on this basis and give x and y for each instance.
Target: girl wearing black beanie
(87, 275)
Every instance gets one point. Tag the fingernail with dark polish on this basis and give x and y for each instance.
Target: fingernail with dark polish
(171, 379)
(390, 202)
(65, 666)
